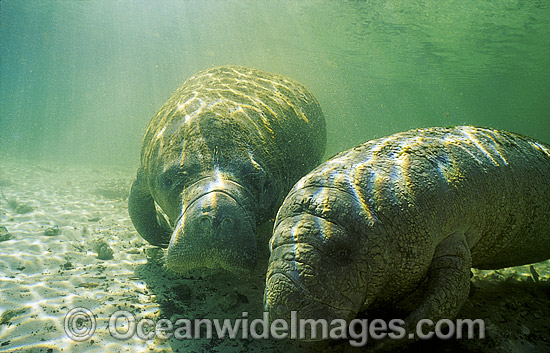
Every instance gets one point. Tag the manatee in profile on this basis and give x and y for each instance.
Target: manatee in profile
(218, 159)
(401, 220)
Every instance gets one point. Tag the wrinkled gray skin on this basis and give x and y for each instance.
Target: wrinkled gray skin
(404, 218)
(218, 159)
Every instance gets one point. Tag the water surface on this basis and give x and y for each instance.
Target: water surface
(80, 80)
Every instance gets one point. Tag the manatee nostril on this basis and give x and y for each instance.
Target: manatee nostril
(205, 221)
(227, 223)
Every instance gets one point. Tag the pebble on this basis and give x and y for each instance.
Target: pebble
(104, 252)
(22, 208)
(4, 234)
(52, 231)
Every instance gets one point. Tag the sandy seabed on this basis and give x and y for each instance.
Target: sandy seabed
(45, 272)
(62, 223)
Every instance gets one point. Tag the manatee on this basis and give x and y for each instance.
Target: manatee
(218, 159)
(398, 222)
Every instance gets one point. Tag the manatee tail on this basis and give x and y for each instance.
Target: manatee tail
(141, 207)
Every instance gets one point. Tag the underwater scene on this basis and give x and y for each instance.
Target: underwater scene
(274, 176)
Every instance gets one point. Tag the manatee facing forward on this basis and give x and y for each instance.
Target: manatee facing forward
(218, 159)
(405, 217)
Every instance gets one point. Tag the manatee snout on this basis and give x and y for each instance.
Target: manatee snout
(214, 231)
(305, 273)
(287, 299)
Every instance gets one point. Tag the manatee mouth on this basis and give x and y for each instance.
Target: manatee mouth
(215, 230)
(284, 294)
(285, 299)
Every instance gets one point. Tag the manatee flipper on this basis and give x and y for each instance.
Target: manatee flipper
(448, 282)
(143, 213)
(442, 294)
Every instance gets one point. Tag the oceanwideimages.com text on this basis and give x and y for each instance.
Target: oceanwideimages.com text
(80, 325)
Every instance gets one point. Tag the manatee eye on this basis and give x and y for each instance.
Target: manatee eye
(167, 183)
(340, 251)
(171, 178)
(341, 255)
(253, 176)
(167, 179)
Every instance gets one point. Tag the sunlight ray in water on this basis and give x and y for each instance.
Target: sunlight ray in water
(81, 79)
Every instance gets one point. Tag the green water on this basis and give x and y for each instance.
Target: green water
(81, 79)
